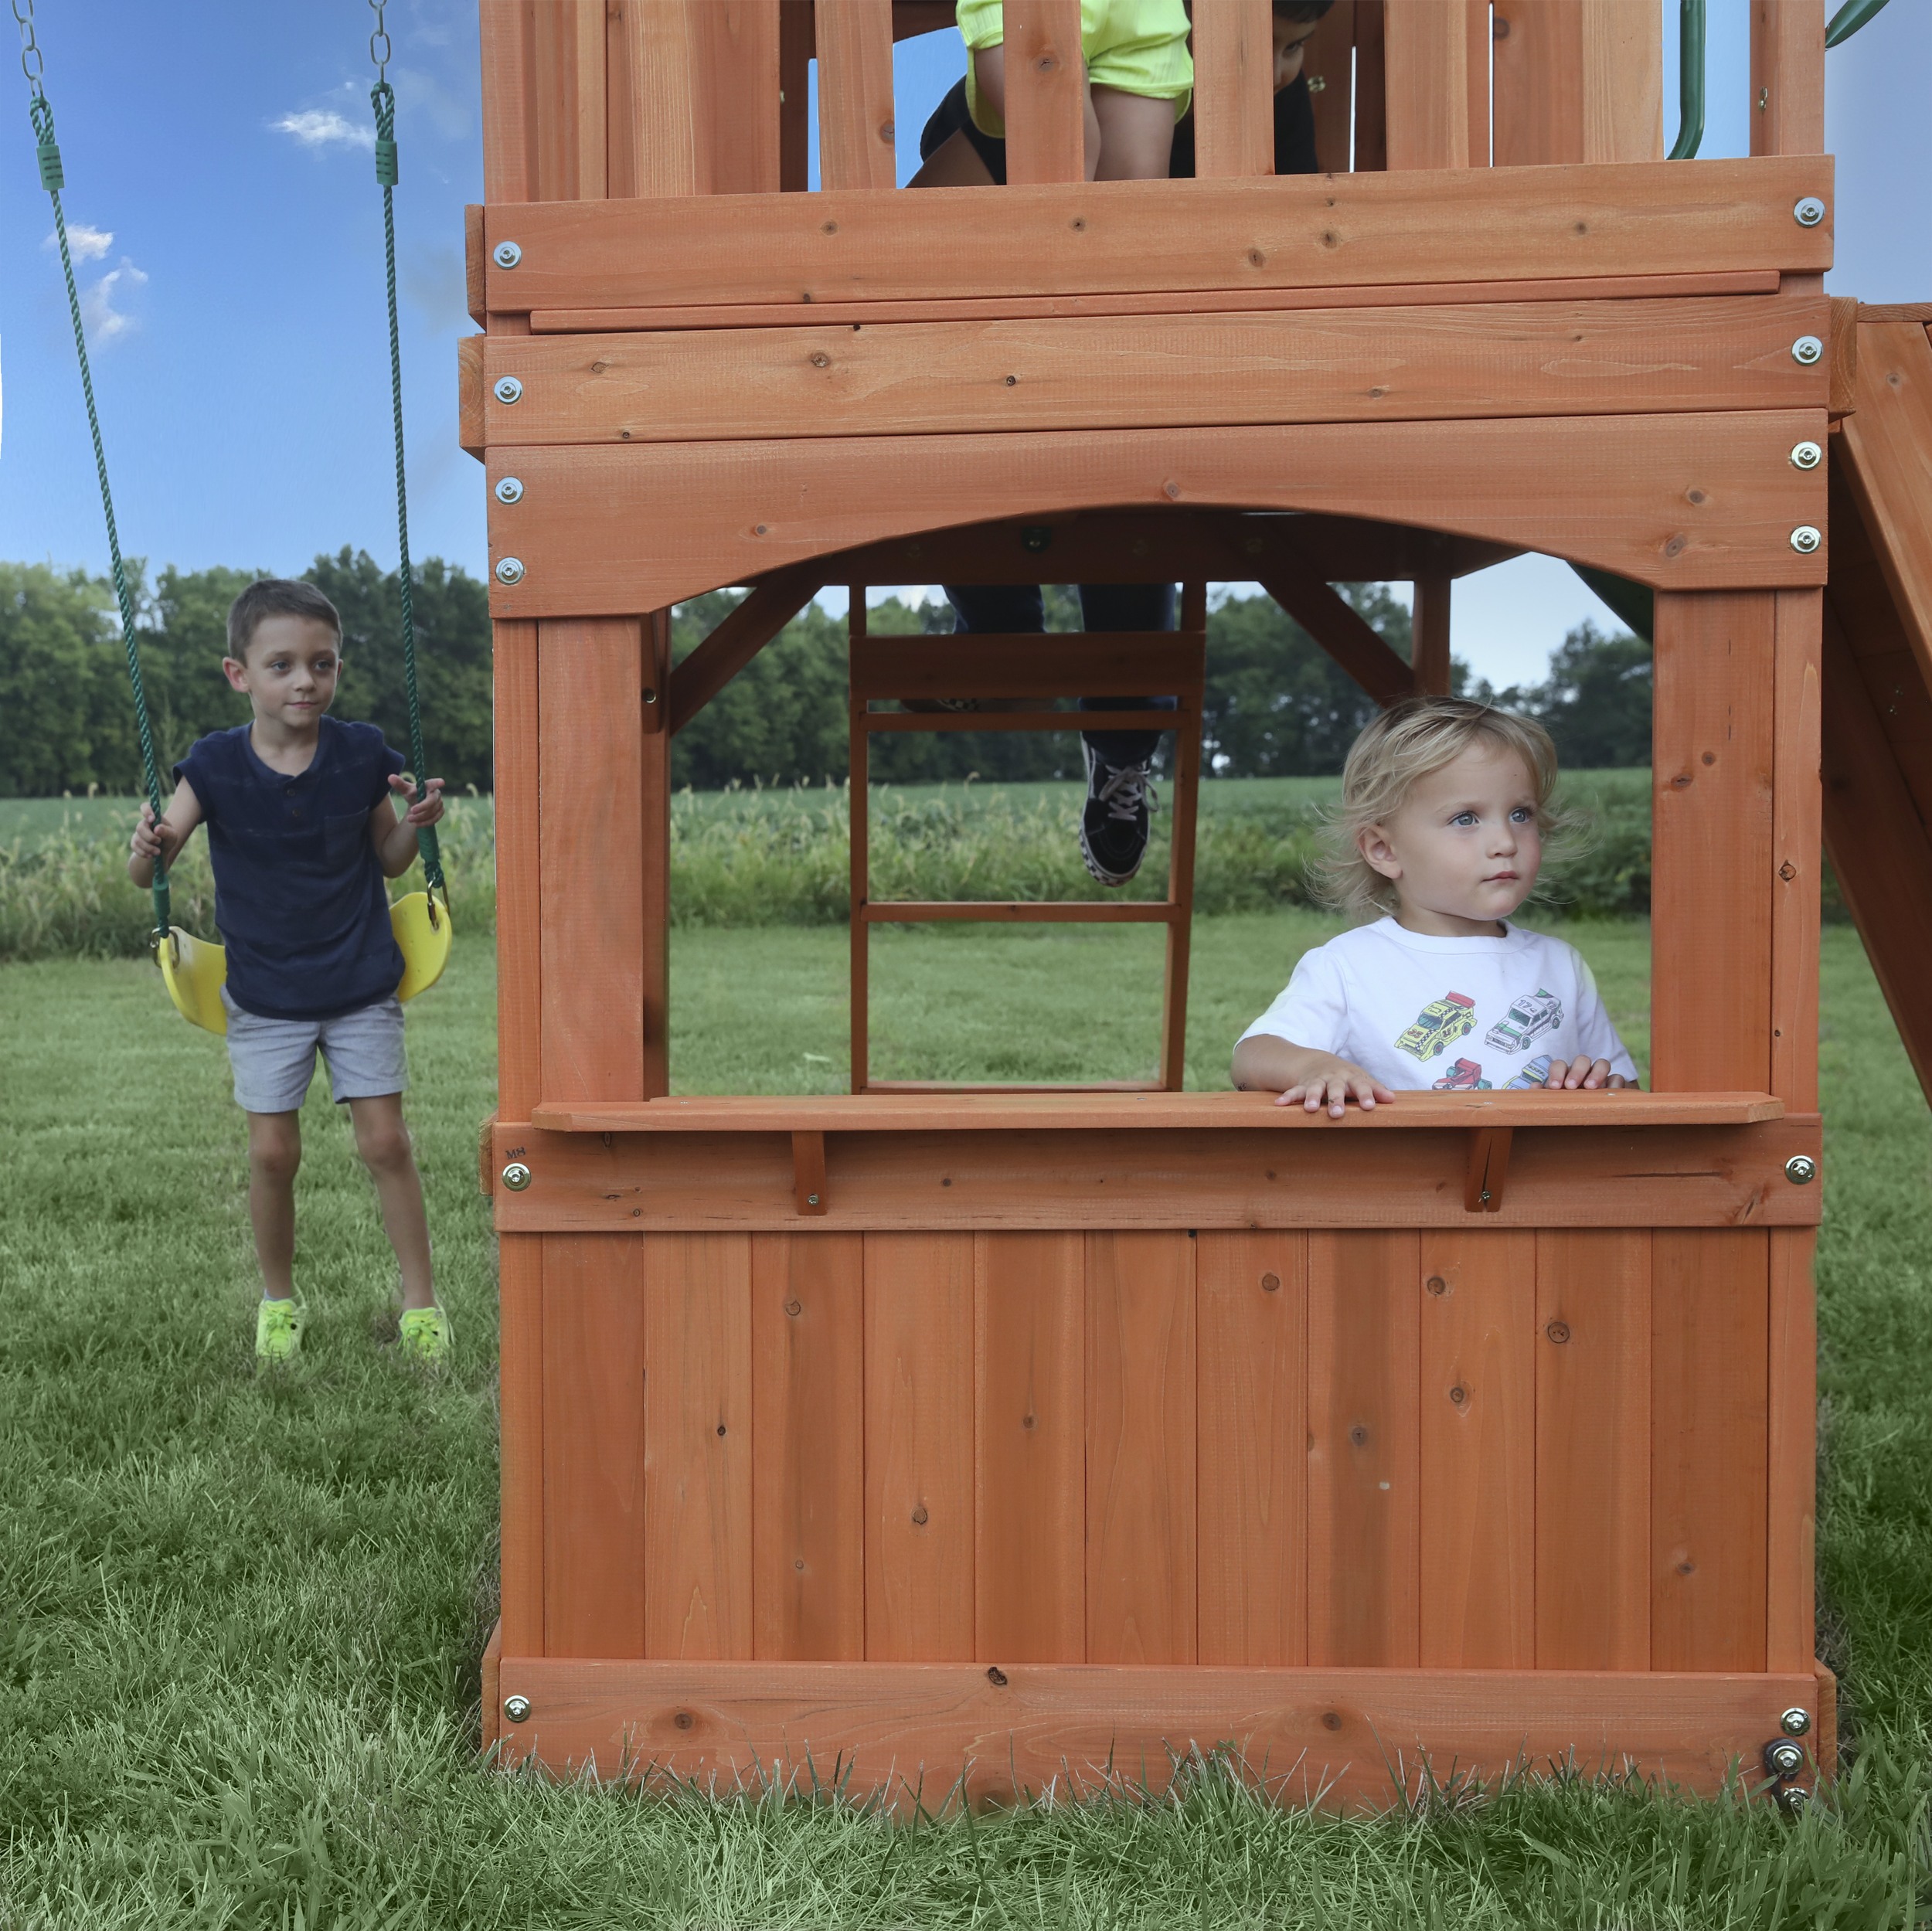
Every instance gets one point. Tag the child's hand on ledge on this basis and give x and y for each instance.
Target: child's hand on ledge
(1332, 1082)
(1583, 1071)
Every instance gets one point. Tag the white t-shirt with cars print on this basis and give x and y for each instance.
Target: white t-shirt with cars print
(1415, 1011)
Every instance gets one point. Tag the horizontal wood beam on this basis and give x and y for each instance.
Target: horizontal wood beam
(1127, 1176)
(741, 635)
(1122, 663)
(1327, 366)
(1694, 502)
(1096, 237)
(1017, 1727)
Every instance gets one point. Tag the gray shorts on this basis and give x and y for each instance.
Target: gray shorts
(274, 1060)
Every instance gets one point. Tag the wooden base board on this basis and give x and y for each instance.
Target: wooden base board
(1344, 1735)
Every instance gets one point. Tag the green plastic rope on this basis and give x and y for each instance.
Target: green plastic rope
(52, 179)
(382, 98)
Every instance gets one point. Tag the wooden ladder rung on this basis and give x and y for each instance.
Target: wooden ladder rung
(1024, 911)
(985, 664)
(1024, 720)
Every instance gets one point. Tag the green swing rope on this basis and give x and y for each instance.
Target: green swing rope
(382, 98)
(52, 179)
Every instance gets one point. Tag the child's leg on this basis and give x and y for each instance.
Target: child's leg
(274, 1153)
(1136, 134)
(382, 1140)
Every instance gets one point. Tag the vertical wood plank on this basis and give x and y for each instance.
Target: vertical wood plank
(520, 1402)
(1797, 807)
(591, 814)
(1234, 88)
(919, 1447)
(1623, 81)
(698, 1446)
(1371, 88)
(513, 806)
(1592, 1449)
(509, 158)
(654, 852)
(858, 809)
(1253, 1470)
(566, 40)
(794, 96)
(1427, 57)
(742, 68)
(1709, 1321)
(855, 130)
(1791, 1554)
(1186, 797)
(1713, 867)
(1429, 634)
(1477, 28)
(671, 141)
(1329, 63)
(1478, 1450)
(1788, 77)
(1537, 112)
(1029, 1436)
(1046, 92)
(1141, 1394)
(620, 111)
(1364, 1494)
(593, 1404)
(808, 1445)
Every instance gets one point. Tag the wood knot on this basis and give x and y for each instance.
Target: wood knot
(1078, 224)
(1710, 757)
(1359, 1435)
(997, 1677)
(820, 360)
(721, 1428)
(829, 228)
(1257, 259)
(1029, 1421)
(1172, 491)
(1788, 872)
(1270, 1283)
(888, 132)
(1437, 1285)
(794, 1308)
(1674, 547)
(1458, 1396)
(920, 1517)
(1330, 1720)
(684, 1720)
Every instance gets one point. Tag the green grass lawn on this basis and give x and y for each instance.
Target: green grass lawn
(240, 1616)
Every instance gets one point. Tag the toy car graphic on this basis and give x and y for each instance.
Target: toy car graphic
(1464, 1076)
(1532, 1075)
(1441, 1024)
(1527, 1019)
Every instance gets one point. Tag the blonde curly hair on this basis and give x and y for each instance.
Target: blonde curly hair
(1394, 752)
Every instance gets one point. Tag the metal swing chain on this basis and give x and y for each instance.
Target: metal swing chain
(382, 98)
(33, 65)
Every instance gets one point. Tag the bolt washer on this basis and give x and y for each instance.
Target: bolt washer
(517, 1708)
(507, 254)
(510, 570)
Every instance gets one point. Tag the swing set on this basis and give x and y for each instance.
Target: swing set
(195, 969)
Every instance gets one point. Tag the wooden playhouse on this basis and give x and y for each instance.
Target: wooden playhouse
(1028, 1433)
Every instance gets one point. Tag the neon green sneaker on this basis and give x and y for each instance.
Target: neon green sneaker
(278, 1330)
(424, 1334)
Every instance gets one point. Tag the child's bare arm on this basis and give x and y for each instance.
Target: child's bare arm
(1301, 1074)
(162, 837)
(394, 837)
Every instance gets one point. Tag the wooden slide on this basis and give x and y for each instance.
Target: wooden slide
(1877, 684)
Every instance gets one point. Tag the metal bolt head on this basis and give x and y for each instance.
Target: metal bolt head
(1792, 1799)
(517, 1708)
(1806, 456)
(1801, 1170)
(507, 254)
(516, 1176)
(510, 570)
(1795, 1722)
(1807, 350)
(509, 490)
(1806, 538)
(1783, 1757)
(1809, 211)
(508, 390)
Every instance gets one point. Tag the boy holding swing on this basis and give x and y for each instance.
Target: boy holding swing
(302, 831)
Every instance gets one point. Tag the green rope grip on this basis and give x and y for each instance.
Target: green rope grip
(382, 98)
(1690, 80)
(53, 180)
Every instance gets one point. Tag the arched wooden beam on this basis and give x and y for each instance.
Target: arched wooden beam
(1702, 502)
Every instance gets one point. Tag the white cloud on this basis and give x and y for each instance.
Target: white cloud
(103, 322)
(84, 244)
(319, 128)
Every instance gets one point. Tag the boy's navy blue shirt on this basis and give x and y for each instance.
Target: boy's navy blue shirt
(298, 888)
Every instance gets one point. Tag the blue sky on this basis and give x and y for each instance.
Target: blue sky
(217, 158)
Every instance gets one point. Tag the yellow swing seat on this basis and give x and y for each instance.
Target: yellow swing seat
(195, 970)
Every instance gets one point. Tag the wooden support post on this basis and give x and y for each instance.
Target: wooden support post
(1788, 77)
(737, 640)
(1046, 92)
(1538, 116)
(1623, 81)
(859, 804)
(1428, 66)
(1487, 1169)
(1234, 89)
(1429, 635)
(1180, 888)
(743, 61)
(1329, 62)
(671, 102)
(1371, 88)
(808, 1172)
(856, 134)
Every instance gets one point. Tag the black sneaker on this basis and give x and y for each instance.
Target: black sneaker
(1114, 825)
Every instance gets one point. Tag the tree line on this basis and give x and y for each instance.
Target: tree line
(1276, 704)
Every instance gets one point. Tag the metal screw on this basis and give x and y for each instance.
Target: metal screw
(1792, 1799)
(1801, 1170)
(508, 390)
(1809, 211)
(1806, 538)
(1806, 456)
(510, 570)
(1808, 349)
(517, 1708)
(1035, 537)
(811, 1200)
(1558, 1332)
(516, 1176)
(1795, 1722)
(509, 254)
(1783, 1757)
(510, 490)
